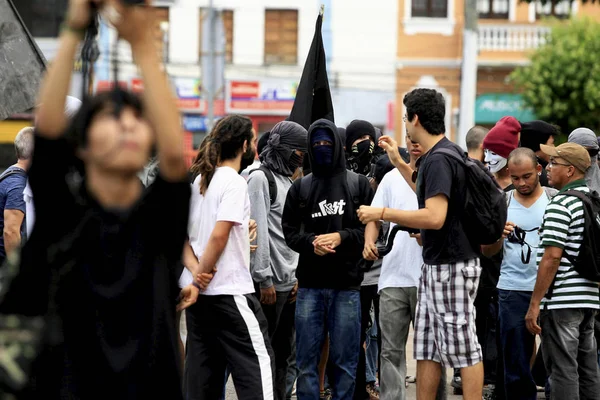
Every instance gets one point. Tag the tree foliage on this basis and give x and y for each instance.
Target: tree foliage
(562, 83)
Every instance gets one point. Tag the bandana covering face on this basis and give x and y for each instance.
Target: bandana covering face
(494, 162)
(360, 157)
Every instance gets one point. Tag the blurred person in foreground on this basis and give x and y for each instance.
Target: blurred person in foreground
(111, 253)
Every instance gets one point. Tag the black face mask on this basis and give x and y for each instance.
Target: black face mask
(247, 158)
(360, 157)
(295, 161)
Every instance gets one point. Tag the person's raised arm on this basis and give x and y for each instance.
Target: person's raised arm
(135, 25)
(50, 116)
(391, 148)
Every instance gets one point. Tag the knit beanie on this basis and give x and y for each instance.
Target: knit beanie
(535, 133)
(503, 137)
(357, 129)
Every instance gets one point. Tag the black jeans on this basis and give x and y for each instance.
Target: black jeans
(368, 297)
(280, 318)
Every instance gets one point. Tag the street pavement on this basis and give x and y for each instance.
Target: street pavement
(411, 368)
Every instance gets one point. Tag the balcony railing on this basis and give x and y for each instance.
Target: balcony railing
(511, 37)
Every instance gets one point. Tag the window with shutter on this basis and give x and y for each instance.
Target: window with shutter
(430, 8)
(281, 37)
(227, 16)
(561, 10)
(493, 9)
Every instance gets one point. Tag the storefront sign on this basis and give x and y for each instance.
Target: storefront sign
(188, 94)
(261, 97)
(491, 107)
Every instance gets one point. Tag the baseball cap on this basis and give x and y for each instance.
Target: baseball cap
(573, 153)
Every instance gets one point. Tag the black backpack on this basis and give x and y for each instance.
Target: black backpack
(485, 210)
(271, 180)
(587, 263)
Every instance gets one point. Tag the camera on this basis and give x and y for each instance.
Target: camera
(517, 236)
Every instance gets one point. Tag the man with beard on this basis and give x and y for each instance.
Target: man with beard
(526, 206)
(226, 327)
(320, 223)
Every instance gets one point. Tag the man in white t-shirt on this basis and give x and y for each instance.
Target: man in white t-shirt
(226, 328)
(398, 282)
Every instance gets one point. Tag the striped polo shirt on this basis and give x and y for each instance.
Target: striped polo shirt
(563, 227)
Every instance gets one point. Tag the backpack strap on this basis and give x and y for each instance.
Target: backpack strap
(586, 201)
(12, 172)
(305, 184)
(352, 179)
(550, 192)
(450, 153)
(271, 180)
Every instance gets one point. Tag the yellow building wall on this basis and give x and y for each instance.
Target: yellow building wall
(10, 128)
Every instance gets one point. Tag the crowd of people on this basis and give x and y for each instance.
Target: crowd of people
(300, 274)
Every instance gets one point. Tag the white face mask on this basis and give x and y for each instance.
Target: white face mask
(494, 162)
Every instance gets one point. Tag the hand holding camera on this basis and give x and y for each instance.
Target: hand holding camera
(508, 229)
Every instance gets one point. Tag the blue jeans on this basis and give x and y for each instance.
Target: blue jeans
(372, 353)
(337, 312)
(517, 344)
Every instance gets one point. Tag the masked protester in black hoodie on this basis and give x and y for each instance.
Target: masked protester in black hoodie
(320, 223)
(360, 146)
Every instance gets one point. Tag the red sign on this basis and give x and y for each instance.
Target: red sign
(274, 97)
(247, 90)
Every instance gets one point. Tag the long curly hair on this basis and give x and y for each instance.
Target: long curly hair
(224, 142)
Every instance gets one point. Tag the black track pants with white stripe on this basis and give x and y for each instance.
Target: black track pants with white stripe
(228, 331)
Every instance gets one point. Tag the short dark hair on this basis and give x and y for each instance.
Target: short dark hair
(430, 106)
(116, 99)
(475, 137)
(523, 152)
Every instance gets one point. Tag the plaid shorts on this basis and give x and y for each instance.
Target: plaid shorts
(445, 321)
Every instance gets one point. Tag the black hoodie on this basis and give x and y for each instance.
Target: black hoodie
(329, 187)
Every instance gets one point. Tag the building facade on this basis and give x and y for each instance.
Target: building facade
(430, 52)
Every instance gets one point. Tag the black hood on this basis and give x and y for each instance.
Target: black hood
(339, 157)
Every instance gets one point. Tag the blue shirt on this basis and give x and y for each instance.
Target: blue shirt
(11, 198)
(514, 274)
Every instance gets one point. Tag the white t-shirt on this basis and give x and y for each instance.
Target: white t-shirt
(226, 199)
(29, 209)
(402, 266)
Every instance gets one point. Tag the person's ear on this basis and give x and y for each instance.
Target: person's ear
(538, 169)
(245, 146)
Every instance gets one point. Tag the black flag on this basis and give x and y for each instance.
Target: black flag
(21, 63)
(313, 97)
